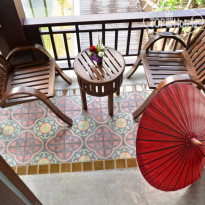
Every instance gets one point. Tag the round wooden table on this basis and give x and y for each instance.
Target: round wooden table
(99, 80)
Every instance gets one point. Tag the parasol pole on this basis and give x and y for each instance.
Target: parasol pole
(196, 142)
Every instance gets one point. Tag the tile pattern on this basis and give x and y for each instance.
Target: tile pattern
(30, 134)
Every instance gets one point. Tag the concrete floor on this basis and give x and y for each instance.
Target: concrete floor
(115, 187)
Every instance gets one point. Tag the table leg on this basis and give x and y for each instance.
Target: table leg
(110, 104)
(118, 92)
(83, 99)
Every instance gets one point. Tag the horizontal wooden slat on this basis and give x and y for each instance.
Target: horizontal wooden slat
(163, 55)
(176, 68)
(30, 79)
(164, 59)
(31, 64)
(166, 72)
(35, 83)
(31, 75)
(159, 63)
(30, 70)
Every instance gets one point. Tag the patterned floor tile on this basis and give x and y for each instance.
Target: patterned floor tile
(24, 147)
(2, 146)
(68, 106)
(4, 114)
(103, 141)
(130, 137)
(64, 144)
(27, 121)
(31, 134)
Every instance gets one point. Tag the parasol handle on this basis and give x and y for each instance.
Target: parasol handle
(196, 142)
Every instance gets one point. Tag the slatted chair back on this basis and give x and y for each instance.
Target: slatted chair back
(196, 51)
(4, 70)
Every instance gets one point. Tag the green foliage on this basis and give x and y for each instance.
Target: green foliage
(175, 4)
(200, 2)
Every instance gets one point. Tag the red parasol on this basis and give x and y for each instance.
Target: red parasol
(171, 137)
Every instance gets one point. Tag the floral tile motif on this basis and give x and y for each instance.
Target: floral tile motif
(27, 121)
(132, 102)
(84, 155)
(2, 146)
(130, 137)
(9, 130)
(124, 152)
(68, 106)
(103, 141)
(21, 109)
(31, 134)
(24, 147)
(129, 101)
(9, 159)
(28, 114)
(44, 157)
(64, 144)
(94, 103)
(45, 128)
(4, 114)
(83, 125)
(121, 123)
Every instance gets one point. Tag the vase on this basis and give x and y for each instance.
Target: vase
(100, 63)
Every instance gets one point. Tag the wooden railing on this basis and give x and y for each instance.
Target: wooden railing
(126, 32)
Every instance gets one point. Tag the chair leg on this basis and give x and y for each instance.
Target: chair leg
(60, 114)
(63, 75)
(134, 67)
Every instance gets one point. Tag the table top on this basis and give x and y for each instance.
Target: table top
(112, 67)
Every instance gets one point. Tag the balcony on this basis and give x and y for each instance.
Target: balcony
(32, 135)
(64, 37)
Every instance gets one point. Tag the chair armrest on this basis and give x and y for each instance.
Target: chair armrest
(167, 81)
(179, 78)
(40, 96)
(161, 35)
(22, 90)
(37, 47)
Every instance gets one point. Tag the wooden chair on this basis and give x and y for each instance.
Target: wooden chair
(167, 81)
(32, 80)
(162, 64)
(187, 64)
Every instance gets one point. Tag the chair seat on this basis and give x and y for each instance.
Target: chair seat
(162, 64)
(39, 75)
(34, 80)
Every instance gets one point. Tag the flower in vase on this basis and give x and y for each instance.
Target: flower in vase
(101, 54)
(96, 58)
(97, 52)
(93, 49)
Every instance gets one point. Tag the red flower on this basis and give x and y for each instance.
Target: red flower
(93, 49)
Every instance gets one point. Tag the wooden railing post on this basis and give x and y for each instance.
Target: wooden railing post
(11, 20)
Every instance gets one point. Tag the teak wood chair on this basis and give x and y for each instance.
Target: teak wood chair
(28, 81)
(160, 65)
(167, 81)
